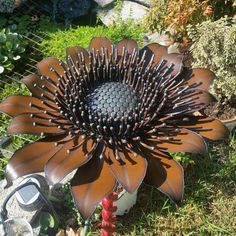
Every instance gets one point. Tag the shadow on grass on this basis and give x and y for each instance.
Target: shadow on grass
(209, 176)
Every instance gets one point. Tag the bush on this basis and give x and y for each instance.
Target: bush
(11, 49)
(213, 46)
(175, 14)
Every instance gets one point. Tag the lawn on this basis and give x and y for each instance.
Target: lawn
(209, 204)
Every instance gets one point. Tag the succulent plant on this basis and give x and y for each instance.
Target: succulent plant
(11, 48)
(114, 113)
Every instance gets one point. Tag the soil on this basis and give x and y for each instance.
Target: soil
(222, 110)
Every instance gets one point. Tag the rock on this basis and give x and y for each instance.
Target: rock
(165, 40)
(129, 10)
(174, 48)
(161, 38)
(103, 3)
(146, 3)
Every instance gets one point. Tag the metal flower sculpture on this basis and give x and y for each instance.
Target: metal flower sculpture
(114, 113)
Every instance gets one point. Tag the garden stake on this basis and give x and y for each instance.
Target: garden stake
(108, 217)
(113, 113)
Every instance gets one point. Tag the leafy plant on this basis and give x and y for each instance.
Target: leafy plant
(11, 49)
(48, 224)
(222, 8)
(213, 46)
(174, 15)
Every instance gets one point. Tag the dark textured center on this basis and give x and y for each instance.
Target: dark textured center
(112, 99)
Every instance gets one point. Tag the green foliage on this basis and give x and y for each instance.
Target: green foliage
(48, 224)
(222, 8)
(11, 49)
(58, 41)
(213, 47)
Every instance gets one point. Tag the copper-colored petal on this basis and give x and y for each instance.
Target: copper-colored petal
(175, 62)
(182, 140)
(32, 157)
(45, 68)
(65, 161)
(207, 127)
(129, 44)
(17, 104)
(91, 183)
(26, 124)
(153, 49)
(100, 42)
(165, 174)
(130, 171)
(77, 54)
(190, 101)
(201, 77)
(37, 86)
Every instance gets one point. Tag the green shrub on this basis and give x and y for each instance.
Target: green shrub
(11, 49)
(58, 41)
(213, 46)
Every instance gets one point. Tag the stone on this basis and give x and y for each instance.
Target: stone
(174, 48)
(161, 38)
(103, 3)
(146, 3)
(129, 10)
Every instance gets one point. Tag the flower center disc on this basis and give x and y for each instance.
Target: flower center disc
(112, 99)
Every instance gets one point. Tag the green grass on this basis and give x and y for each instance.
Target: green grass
(59, 39)
(209, 204)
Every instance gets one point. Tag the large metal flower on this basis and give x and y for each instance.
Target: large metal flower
(113, 113)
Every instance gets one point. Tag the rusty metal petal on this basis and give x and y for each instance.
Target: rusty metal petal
(190, 101)
(153, 49)
(129, 171)
(165, 174)
(68, 159)
(52, 68)
(207, 127)
(27, 124)
(91, 183)
(32, 157)
(182, 140)
(100, 42)
(129, 44)
(39, 86)
(200, 77)
(17, 104)
(78, 55)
